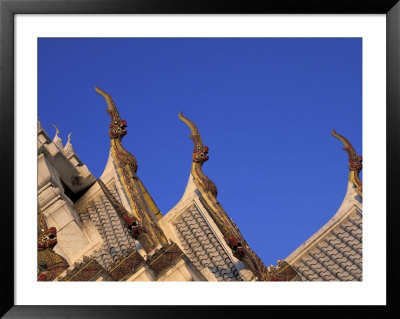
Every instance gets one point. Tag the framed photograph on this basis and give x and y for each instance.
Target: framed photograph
(262, 83)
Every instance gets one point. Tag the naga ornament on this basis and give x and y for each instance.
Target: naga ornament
(117, 127)
(199, 157)
(200, 151)
(116, 132)
(355, 162)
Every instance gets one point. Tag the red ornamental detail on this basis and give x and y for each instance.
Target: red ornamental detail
(48, 239)
(236, 247)
(42, 277)
(134, 226)
(200, 154)
(355, 162)
(117, 129)
(50, 264)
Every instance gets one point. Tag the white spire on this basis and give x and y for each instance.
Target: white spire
(57, 140)
(68, 150)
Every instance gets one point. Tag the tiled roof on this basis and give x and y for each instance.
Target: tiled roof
(116, 238)
(337, 256)
(202, 246)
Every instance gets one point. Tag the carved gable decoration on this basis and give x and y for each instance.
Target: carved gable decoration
(164, 258)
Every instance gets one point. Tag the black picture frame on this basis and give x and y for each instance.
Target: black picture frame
(8, 10)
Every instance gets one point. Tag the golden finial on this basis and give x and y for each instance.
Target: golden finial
(117, 127)
(355, 161)
(200, 151)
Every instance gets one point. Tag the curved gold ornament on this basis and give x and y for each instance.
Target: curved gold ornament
(355, 162)
(199, 157)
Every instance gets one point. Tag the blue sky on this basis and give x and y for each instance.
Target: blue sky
(264, 106)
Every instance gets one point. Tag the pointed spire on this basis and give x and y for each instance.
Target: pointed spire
(57, 140)
(355, 161)
(68, 150)
(57, 131)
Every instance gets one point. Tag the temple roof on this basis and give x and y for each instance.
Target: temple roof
(100, 212)
(334, 252)
(202, 247)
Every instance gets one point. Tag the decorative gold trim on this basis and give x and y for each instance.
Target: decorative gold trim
(150, 202)
(164, 258)
(88, 264)
(282, 272)
(126, 265)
